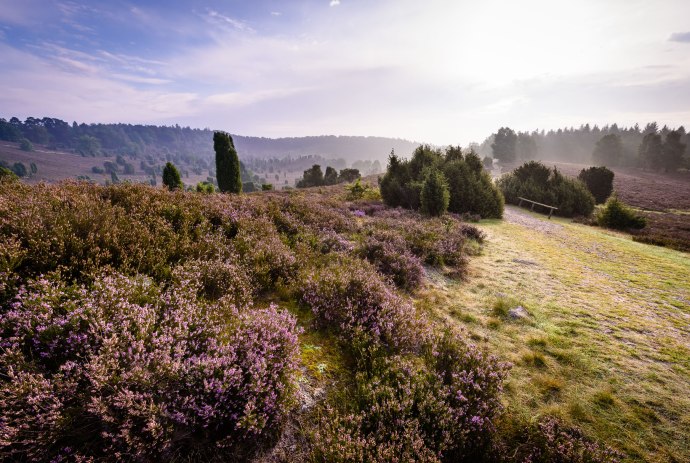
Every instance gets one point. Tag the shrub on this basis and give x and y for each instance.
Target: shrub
(205, 187)
(214, 280)
(439, 409)
(266, 187)
(599, 182)
(25, 145)
(124, 370)
(548, 441)
(97, 170)
(538, 183)
(311, 177)
(171, 177)
(348, 175)
(389, 253)
(350, 298)
(227, 164)
(19, 169)
(434, 196)
(615, 214)
(470, 189)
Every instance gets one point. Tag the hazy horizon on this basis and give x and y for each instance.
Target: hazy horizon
(437, 72)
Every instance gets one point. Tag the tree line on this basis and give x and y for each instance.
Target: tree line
(649, 147)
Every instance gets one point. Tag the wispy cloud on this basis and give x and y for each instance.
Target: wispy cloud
(276, 13)
(335, 2)
(223, 19)
(680, 37)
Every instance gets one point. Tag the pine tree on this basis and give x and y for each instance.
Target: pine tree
(171, 177)
(227, 164)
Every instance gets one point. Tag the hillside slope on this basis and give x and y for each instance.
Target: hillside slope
(606, 344)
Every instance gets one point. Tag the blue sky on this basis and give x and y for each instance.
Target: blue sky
(437, 71)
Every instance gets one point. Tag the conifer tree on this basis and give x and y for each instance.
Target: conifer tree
(227, 164)
(434, 196)
(171, 177)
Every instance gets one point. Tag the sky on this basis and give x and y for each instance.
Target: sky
(442, 72)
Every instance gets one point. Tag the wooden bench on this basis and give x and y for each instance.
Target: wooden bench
(551, 208)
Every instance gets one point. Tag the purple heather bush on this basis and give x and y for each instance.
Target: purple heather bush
(388, 252)
(436, 409)
(217, 279)
(350, 297)
(131, 371)
(548, 441)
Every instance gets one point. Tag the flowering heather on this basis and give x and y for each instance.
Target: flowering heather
(550, 441)
(350, 297)
(138, 372)
(136, 325)
(408, 410)
(388, 252)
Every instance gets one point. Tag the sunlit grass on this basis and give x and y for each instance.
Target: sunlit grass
(607, 343)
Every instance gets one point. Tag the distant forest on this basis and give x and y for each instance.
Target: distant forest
(635, 146)
(186, 145)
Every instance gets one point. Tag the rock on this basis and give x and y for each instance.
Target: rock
(518, 313)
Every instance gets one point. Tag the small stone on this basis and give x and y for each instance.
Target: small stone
(518, 312)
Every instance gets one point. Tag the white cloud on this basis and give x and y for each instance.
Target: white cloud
(335, 2)
(235, 23)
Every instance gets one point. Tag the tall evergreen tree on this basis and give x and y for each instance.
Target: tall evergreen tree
(227, 164)
(650, 149)
(608, 150)
(171, 177)
(504, 144)
(672, 151)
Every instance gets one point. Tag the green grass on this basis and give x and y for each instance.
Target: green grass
(607, 345)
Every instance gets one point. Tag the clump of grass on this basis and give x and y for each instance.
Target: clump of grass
(503, 304)
(537, 343)
(604, 399)
(549, 383)
(493, 323)
(535, 359)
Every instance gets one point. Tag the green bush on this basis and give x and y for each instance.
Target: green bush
(617, 215)
(25, 145)
(20, 169)
(470, 189)
(434, 196)
(531, 181)
(171, 177)
(205, 187)
(599, 181)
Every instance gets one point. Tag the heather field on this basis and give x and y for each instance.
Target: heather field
(140, 324)
(319, 325)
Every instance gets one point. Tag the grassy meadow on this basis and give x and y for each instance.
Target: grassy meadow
(606, 344)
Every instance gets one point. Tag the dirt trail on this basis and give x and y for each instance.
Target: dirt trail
(522, 217)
